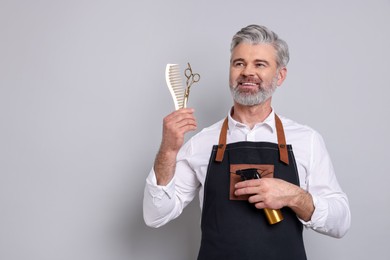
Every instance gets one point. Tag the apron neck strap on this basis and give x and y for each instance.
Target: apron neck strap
(283, 154)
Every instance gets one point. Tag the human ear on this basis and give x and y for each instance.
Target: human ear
(282, 74)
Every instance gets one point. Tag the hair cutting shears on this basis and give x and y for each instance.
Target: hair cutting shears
(191, 77)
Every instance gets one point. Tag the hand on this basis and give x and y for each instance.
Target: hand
(175, 126)
(275, 193)
(270, 193)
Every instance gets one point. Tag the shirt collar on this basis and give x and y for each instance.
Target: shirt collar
(268, 121)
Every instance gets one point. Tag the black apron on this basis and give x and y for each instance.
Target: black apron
(235, 229)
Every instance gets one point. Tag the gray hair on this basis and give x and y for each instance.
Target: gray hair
(257, 34)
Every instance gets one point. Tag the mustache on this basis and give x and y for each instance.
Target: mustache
(244, 79)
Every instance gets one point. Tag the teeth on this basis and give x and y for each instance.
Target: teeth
(249, 84)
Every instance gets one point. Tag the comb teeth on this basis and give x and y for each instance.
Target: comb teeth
(175, 85)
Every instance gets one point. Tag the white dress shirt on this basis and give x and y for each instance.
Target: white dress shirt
(316, 175)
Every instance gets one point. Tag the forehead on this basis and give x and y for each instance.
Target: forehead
(251, 52)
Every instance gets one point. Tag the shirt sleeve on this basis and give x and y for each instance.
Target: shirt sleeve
(162, 204)
(331, 215)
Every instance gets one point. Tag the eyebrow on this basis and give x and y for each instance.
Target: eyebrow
(238, 59)
(265, 61)
(256, 61)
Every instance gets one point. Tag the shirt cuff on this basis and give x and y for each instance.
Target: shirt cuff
(320, 214)
(158, 192)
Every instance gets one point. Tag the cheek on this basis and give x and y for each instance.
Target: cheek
(231, 81)
(232, 77)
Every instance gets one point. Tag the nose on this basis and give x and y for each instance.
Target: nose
(248, 70)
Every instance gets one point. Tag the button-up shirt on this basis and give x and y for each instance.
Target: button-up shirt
(331, 215)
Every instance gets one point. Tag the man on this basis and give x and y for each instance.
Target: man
(289, 167)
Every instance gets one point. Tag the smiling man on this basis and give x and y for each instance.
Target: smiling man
(291, 181)
(254, 74)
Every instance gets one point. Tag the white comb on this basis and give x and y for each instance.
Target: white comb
(175, 85)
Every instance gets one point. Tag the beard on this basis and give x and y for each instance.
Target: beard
(252, 98)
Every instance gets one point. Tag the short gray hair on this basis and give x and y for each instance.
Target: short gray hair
(257, 34)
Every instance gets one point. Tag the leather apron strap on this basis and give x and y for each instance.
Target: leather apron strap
(283, 154)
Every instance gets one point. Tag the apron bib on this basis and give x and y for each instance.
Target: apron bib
(235, 229)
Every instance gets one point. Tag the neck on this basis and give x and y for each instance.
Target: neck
(252, 115)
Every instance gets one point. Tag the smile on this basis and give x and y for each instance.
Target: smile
(248, 84)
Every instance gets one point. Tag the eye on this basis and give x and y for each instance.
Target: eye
(238, 64)
(260, 65)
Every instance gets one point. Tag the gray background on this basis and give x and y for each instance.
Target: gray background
(83, 94)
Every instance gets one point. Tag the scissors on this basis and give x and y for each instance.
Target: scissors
(191, 77)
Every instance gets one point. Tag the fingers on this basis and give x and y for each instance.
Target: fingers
(248, 187)
(175, 125)
(182, 111)
(184, 121)
(257, 198)
(266, 193)
(178, 115)
(248, 183)
(258, 191)
(180, 121)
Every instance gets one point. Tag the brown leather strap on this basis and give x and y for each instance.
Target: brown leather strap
(283, 154)
(222, 141)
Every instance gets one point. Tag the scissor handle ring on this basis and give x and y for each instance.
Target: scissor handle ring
(188, 72)
(195, 77)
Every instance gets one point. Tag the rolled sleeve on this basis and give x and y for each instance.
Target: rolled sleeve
(158, 203)
(165, 203)
(320, 214)
(158, 192)
(331, 214)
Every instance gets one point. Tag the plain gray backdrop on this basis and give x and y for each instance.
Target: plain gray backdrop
(83, 94)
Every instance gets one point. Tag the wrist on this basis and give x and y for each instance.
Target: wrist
(302, 204)
(164, 166)
(167, 153)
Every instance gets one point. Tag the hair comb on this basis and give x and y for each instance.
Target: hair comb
(175, 84)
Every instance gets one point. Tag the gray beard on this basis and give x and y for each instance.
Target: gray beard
(252, 99)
